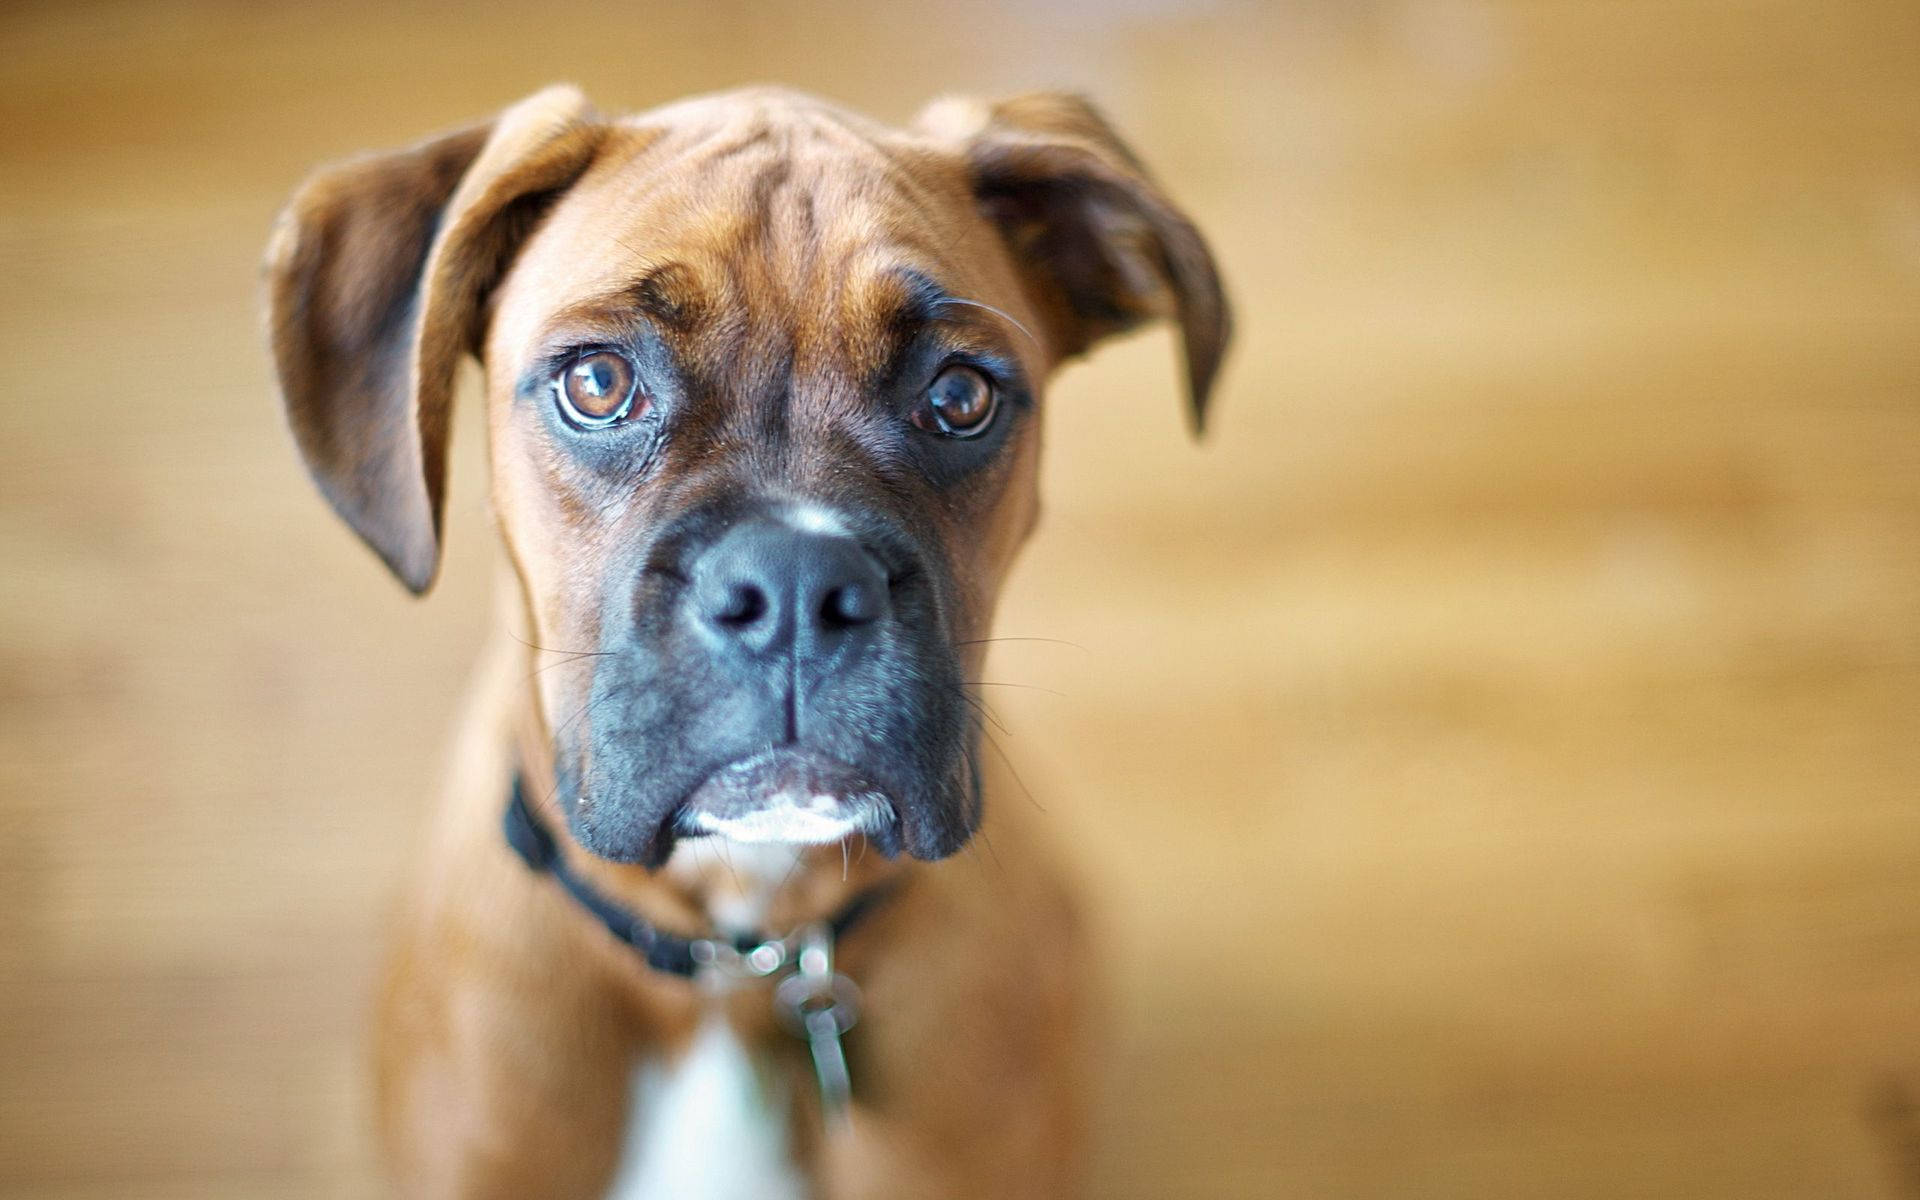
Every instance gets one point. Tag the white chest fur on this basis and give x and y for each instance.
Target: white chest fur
(707, 1127)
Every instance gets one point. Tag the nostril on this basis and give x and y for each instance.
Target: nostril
(743, 604)
(851, 604)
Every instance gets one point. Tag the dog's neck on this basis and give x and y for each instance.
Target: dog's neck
(708, 884)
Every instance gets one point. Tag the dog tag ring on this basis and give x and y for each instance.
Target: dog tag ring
(820, 1005)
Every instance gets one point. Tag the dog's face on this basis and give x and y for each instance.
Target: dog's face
(764, 398)
(764, 438)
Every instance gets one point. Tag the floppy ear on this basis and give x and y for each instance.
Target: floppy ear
(377, 275)
(1100, 247)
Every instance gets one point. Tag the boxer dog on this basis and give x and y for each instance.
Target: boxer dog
(763, 388)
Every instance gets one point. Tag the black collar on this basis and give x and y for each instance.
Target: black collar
(664, 951)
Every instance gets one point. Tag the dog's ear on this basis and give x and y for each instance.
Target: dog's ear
(1100, 247)
(378, 273)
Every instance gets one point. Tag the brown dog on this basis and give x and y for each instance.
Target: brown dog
(763, 385)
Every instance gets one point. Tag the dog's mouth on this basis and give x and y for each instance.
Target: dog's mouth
(792, 797)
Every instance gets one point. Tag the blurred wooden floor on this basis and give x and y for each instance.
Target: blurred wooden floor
(1494, 751)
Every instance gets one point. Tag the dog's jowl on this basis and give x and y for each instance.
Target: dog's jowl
(764, 393)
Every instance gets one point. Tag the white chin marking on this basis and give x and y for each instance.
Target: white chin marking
(796, 820)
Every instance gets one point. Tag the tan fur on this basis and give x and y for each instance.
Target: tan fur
(510, 1019)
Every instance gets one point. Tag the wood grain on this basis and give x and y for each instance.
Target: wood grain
(1493, 750)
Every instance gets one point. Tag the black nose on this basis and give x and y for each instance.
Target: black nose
(767, 589)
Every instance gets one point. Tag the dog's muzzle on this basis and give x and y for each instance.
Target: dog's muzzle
(777, 674)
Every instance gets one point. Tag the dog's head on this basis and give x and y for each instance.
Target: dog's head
(764, 391)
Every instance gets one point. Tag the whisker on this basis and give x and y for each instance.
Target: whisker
(1054, 641)
(725, 854)
(980, 706)
(565, 662)
(550, 650)
(1029, 686)
(988, 839)
(974, 844)
(798, 858)
(569, 656)
(1011, 769)
(973, 851)
(591, 703)
(1001, 313)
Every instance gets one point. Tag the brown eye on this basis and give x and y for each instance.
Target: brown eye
(597, 389)
(959, 403)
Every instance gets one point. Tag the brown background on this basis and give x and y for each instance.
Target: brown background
(1493, 751)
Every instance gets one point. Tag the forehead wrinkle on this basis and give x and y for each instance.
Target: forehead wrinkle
(886, 149)
(805, 212)
(836, 152)
(783, 177)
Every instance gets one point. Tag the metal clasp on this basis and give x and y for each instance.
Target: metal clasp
(821, 1005)
(725, 959)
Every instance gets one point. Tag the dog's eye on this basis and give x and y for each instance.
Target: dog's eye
(599, 389)
(958, 403)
